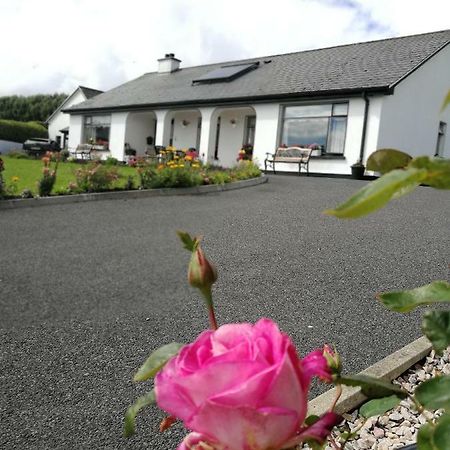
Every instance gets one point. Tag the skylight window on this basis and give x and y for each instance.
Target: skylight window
(226, 73)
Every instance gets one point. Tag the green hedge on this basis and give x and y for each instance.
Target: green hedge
(10, 130)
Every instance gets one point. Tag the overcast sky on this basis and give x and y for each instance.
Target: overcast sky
(56, 45)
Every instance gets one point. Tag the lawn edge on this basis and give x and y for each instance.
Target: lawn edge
(126, 195)
(388, 369)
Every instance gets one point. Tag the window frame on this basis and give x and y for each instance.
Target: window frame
(312, 117)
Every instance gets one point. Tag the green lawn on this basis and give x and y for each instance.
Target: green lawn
(29, 171)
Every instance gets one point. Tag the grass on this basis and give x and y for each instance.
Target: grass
(29, 171)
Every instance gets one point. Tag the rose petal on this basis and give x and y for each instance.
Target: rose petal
(197, 441)
(243, 428)
(315, 364)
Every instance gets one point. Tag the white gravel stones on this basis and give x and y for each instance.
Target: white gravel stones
(397, 427)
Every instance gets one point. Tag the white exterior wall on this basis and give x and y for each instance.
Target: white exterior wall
(266, 131)
(61, 120)
(117, 134)
(76, 131)
(231, 135)
(410, 118)
(185, 136)
(139, 127)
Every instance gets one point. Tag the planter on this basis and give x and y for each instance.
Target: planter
(358, 171)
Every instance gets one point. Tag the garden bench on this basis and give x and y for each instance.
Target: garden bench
(290, 155)
(83, 150)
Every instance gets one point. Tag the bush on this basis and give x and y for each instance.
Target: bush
(160, 176)
(11, 130)
(217, 177)
(64, 155)
(96, 177)
(245, 170)
(111, 161)
(17, 154)
(46, 183)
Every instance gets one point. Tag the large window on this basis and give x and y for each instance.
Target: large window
(96, 130)
(321, 127)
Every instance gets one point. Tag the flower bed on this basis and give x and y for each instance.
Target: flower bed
(21, 176)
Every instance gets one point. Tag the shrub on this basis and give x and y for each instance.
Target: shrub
(26, 193)
(96, 177)
(64, 155)
(46, 183)
(172, 176)
(245, 170)
(111, 161)
(217, 177)
(17, 154)
(11, 130)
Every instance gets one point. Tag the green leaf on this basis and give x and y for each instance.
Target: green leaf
(311, 419)
(436, 327)
(372, 387)
(435, 393)
(189, 243)
(157, 360)
(377, 194)
(441, 435)
(379, 406)
(438, 171)
(425, 438)
(446, 101)
(405, 301)
(385, 160)
(130, 416)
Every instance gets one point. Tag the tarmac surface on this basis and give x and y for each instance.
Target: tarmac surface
(88, 290)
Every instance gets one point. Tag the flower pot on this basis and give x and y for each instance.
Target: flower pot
(358, 171)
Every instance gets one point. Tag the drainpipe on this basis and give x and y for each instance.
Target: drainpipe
(364, 130)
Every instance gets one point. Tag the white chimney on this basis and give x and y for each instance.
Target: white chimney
(168, 64)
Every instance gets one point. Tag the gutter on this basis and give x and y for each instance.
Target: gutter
(364, 130)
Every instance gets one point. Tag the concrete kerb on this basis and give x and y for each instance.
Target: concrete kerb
(388, 368)
(125, 195)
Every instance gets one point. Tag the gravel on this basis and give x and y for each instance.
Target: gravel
(398, 427)
(88, 290)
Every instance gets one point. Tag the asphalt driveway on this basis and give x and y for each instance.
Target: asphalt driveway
(87, 290)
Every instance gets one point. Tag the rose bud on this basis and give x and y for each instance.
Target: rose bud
(201, 273)
(333, 360)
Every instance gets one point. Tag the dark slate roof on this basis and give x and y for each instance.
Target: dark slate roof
(368, 66)
(89, 92)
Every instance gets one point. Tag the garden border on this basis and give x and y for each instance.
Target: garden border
(134, 194)
(387, 369)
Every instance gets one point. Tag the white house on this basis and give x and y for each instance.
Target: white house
(349, 100)
(58, 123)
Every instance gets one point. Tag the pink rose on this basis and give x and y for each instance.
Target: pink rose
(241, 387)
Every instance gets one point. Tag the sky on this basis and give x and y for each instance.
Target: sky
(51, 46)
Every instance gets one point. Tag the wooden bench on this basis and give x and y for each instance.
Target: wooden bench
(83, 151)
(290, 155)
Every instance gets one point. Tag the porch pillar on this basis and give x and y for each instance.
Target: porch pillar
(117, 135)
(207, 133)
(76, 131)
(266, 131)
(162, 126)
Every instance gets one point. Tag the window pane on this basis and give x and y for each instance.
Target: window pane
(336, 138)
(101, 120)
(340, 109)
(308, 111)
(304, 132)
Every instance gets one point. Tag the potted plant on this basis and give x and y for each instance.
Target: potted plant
(358, 170)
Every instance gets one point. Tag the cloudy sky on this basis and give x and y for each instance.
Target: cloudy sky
(56, 45)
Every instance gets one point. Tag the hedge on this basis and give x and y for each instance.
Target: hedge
(11, 130)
